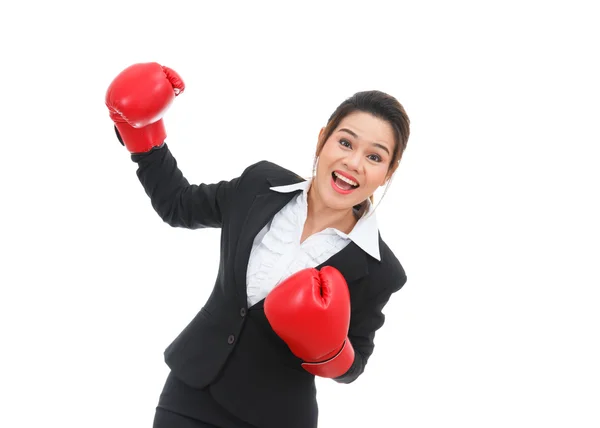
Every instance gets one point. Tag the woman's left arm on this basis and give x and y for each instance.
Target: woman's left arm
(363, 326)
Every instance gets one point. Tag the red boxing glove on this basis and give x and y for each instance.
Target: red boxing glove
(310, 311)
(137, 100)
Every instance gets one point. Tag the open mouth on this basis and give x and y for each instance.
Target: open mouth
(343, 183)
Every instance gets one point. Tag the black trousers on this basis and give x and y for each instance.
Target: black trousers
(181, 406)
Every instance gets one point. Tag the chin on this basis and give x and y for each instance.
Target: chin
(338, 201)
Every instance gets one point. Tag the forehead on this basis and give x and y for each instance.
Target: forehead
(369, 128)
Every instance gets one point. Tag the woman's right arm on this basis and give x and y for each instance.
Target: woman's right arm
(137, 99)
(177, 202)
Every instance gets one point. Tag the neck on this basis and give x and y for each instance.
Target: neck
(320, 217)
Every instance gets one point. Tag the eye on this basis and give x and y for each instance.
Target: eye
(347, 144)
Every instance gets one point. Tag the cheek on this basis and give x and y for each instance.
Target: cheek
(321, 168)
(333, 149)
(376, 179)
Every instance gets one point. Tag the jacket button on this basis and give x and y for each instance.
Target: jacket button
(231, 339)
(243, 312)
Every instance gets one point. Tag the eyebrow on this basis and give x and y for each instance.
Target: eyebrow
(381, 146)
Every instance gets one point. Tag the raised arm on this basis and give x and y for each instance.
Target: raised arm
(137, 100)
(177, 202)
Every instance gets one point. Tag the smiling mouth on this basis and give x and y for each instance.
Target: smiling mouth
(343, 182)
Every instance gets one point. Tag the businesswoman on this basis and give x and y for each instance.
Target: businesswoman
(304, 273)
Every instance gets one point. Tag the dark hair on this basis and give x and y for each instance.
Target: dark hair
(380, 105)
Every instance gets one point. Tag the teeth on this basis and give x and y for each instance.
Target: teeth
(347, 180)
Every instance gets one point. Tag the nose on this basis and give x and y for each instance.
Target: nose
(354, 160)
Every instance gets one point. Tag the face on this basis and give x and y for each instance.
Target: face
(360, 151)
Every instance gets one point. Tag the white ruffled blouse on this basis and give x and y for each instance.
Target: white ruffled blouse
(277, 253)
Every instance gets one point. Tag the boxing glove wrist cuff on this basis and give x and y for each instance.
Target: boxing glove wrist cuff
(334, 367)
(142, 140)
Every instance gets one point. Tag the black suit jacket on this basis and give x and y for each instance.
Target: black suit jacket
(230, 347)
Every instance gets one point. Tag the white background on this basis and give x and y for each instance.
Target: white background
(493, 212)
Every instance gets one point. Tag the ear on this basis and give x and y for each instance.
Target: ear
(321, 133)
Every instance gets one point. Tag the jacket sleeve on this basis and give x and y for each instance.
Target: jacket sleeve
(177, 202)
(363, 326)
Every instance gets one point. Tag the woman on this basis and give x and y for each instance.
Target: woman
(303, 276)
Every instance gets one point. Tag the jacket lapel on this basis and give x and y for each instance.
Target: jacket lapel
(263, 209)
(351, 262)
